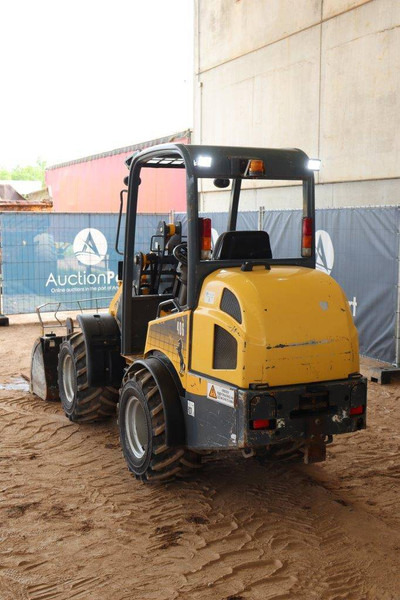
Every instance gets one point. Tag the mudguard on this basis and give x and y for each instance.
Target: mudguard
(105, 365)
(175, 432)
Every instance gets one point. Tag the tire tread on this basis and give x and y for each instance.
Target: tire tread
(91, 403)
(166, 462)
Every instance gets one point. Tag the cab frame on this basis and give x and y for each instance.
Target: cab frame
(212, 162)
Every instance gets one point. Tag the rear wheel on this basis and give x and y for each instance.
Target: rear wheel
(81, 403)
(141, 421)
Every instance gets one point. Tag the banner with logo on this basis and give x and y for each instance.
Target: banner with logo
(63, 258)
(358, 247)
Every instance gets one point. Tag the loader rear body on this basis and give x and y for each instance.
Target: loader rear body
(223, 344)
(265, 380)
(265, 349)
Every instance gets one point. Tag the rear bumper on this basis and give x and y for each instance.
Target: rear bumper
(307, 412)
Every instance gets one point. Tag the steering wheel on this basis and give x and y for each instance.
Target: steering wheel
(181, 254)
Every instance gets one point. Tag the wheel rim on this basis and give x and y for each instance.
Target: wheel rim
(69, 379)
(136, 427)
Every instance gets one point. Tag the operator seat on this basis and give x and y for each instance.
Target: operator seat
(246, 245)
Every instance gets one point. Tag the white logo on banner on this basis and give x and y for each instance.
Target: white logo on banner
(90, 246)
(324, 252)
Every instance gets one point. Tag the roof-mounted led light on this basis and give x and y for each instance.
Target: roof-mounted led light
(203, 161)
(314, 164)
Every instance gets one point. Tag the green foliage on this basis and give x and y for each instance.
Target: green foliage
(27, 173)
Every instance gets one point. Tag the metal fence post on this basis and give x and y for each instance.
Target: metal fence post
(3, 319)
(397, 332)
(261, 211)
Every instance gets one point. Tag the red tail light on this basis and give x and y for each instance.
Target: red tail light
(205, 238)
(261, 424)
(356, 410)
(307, 236)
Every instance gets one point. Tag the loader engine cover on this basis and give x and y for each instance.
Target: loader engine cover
(44, 361)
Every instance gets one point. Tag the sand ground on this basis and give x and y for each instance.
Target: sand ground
(75, 525)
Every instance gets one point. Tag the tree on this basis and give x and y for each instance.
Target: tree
(4, 174)
(26, 173)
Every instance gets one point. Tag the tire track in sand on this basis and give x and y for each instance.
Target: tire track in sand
(73, 524)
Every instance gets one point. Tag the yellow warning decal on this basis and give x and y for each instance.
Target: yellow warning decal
(221, 394)
(212, 393)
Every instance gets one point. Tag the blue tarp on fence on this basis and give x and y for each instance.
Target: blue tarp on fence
(64, 257)
(356, 246)
(53, 257)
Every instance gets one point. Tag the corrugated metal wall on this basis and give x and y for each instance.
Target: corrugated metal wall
(94, 184)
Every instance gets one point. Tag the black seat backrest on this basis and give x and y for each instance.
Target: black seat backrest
(245, 245)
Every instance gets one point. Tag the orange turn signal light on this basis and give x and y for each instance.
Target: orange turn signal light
(205, 238)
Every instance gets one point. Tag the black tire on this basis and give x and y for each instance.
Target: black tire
(141, 422)
(81, 403)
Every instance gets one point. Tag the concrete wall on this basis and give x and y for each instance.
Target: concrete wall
(322, 75)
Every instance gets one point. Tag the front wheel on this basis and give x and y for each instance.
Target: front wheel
(141, 421)
(81, 403)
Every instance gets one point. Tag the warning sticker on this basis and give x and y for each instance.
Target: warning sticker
(221, 394)
(209, 297)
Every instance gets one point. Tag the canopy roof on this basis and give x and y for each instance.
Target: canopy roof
(226, 161)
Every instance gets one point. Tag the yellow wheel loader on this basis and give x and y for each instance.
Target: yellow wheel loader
(214, 344)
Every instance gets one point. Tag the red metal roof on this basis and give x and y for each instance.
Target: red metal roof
(92, 184)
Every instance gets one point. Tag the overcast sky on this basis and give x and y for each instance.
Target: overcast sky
(84, 76)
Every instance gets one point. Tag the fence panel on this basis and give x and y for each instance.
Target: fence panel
(356, 246)
(54, 257)
(359, 248)
(62, 257)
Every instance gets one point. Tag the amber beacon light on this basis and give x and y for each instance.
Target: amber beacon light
(256, 168)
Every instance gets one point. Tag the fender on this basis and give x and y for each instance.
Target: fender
(175, 433)
(105, 365)
(170, 367)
